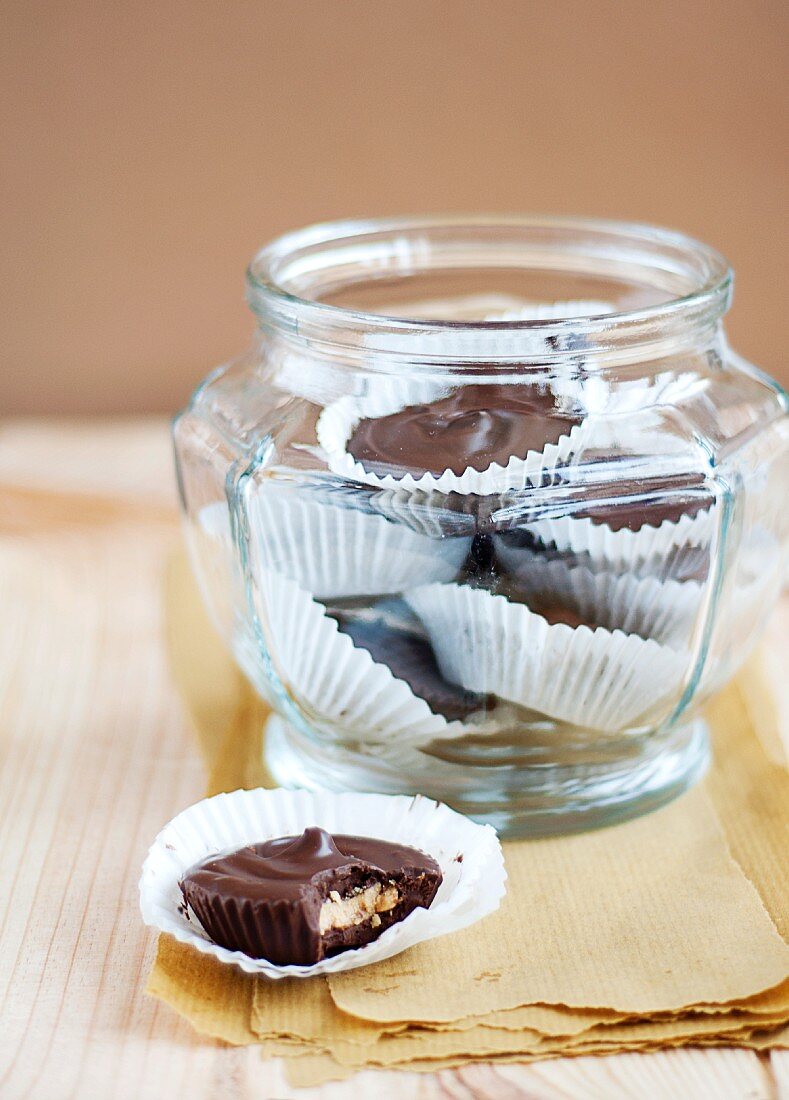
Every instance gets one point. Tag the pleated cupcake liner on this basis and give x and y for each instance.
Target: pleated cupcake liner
(496, 306)
(597, 679)
(477, 343)
(613, 405)
(679, 563)
(628, 414)
(624, 549)
(325, 383)
(316, 380)
(664, 610)
(336, 552)
(322, 382)
(337, 423)
(749, 607)
(551, 311)
(518, 345)
(211, 548)
(651, 396)
(746, 603)
(338, 685)
(436, 515)
(469, 855)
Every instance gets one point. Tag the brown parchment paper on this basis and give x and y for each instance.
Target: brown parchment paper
(650, 916)
(657, 932)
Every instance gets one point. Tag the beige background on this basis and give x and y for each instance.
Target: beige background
(155, 145)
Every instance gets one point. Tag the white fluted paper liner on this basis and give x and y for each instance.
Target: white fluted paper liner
(663, 610)
(551, 311)
(633, 415)
(637, 417)
(334, 551)
(598, 679)
(337, 422)
(211, 546)
(742, 617)
(646, 395)
(624, 549)
(495, 307)
(322, 382)
(339, 682)
(485, 341)
(385, 393)
(477, 340)
(598, 394)
(315, 380)
(430, 514)
(472, 886)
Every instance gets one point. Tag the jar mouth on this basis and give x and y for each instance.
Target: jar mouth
(653, 287)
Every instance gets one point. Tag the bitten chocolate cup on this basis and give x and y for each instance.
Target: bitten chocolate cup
(300, 899)
(468, 857)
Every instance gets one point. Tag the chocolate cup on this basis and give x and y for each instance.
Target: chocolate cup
(660, 527)
(282, 932)
(515, 447)
(265, 899)
(679, 562)
(600, 680)
(473, 427)
(410, 658)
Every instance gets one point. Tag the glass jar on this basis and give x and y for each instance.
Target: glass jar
(488, 510)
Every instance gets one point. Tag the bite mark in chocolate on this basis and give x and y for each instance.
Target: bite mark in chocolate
(474, 426)
(301, 899)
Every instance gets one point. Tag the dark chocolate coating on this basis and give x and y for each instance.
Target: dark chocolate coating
(474, 426)
(622, 513)
(412, 659)
(679, 563)
(554, 614)
(635, 515)
(265, 899)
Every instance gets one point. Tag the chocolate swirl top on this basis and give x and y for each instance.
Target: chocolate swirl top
(279, 869)
(474, 426)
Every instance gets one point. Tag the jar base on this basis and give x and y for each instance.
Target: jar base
(530, 801)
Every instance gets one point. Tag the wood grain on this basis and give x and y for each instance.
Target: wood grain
(97, 755)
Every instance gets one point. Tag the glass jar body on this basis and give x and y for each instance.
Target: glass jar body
(501, 559)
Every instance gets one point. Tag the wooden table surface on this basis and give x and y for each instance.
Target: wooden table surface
(97, 755)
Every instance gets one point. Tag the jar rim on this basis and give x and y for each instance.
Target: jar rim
(277, 273)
